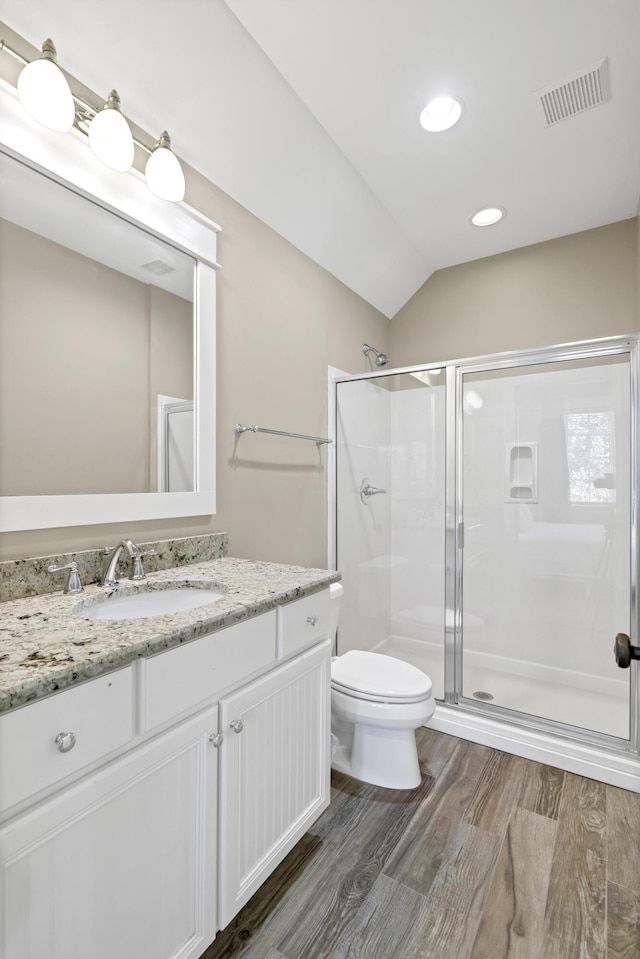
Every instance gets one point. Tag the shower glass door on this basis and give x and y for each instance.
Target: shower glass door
(390, 510)
(545, 505)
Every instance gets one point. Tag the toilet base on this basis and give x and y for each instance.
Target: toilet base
(380, 756)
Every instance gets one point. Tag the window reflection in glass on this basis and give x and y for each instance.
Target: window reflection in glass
(591, 456)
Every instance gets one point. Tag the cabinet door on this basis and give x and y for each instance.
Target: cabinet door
(122, 864)
(274, 772)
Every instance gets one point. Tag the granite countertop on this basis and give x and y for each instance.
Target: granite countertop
(45, 648)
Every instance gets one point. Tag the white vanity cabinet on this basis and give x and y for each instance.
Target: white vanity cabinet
(219, 765)
(121, 864)
(274, 772)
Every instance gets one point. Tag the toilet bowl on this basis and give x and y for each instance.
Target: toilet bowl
(377, 703)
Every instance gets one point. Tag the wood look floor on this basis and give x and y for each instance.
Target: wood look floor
(491, 857)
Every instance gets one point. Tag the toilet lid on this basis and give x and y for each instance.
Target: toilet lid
(379, 678)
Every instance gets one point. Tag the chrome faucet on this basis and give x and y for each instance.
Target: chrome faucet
(109, 573)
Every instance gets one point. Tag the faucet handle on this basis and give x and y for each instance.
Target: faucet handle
(137, 569)
(72, 583)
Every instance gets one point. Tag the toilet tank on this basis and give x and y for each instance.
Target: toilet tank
(336, 592)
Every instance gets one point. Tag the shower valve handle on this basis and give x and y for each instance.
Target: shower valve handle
(367, 490)
(624, 651)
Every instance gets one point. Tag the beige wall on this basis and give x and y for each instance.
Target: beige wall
(638, 269)
(282, 320)
(574, 288)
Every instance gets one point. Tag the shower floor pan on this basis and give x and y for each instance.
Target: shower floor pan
(574, 699)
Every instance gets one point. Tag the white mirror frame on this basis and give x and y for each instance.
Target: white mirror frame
(66, 159)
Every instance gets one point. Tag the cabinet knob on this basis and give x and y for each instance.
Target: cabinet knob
(216, 740)
(65, 741)
(237, 725)
(312, 620)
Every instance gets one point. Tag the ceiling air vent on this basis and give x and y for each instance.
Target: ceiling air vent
(158, 267)
(577, 93)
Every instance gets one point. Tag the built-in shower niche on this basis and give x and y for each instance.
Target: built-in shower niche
(521, 473)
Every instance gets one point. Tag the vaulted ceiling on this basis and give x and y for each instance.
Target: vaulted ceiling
(306, 112)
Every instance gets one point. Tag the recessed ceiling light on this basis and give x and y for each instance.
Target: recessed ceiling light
(488, 216)
(440, 114)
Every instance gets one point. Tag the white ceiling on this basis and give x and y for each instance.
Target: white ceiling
(306, 112)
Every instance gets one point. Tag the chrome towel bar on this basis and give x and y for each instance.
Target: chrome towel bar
(319, 440)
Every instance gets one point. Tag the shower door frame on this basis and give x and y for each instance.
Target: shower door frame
(450, 716)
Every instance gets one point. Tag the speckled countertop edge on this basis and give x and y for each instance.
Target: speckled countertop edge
(44, 647)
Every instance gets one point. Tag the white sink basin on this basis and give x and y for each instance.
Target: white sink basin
(152, 603)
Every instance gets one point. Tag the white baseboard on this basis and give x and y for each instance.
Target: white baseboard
(616, 769)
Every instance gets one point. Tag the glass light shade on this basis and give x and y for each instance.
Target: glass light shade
(163, 172)
(110, 137)
(488, 216)
(440, 114)
(44, 93)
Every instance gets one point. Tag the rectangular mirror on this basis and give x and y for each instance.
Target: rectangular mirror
(103, 314)
(107, 347)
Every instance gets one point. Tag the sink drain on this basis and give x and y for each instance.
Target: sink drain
(485, 697)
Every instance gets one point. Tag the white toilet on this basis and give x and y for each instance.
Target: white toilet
(377, 703)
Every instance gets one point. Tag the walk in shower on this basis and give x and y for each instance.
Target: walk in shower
(486, 531)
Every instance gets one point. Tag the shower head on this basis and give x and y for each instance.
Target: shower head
(381, 358)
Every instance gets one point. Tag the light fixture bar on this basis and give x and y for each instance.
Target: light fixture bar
(13, 53)
(85, 112)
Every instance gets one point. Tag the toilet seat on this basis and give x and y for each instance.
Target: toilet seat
(377, 678)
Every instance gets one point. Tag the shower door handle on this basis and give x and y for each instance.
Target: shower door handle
(624, 652)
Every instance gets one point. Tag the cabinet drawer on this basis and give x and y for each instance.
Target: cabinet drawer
(184, 678)
(303, 623)
(98, 713)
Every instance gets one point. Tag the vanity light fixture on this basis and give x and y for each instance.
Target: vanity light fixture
(44, 92)
(488, 216)
(163, 172)
(441, 114)
(110, 137)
